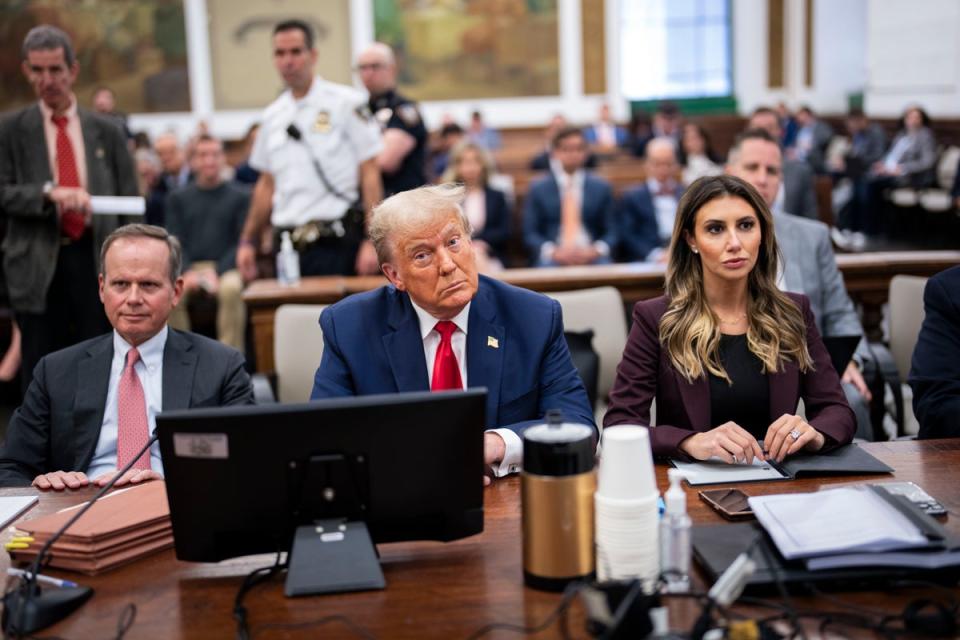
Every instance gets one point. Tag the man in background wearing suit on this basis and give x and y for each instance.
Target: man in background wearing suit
(797, 194)
(439, 326)
(809, 265)
(568, 216)
(53, 157)
(934, 374)
(91, 407)
(647, 212)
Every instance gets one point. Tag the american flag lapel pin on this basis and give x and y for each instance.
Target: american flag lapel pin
(493, 342)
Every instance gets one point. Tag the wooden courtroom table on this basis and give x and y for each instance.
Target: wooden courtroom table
(867, 276)
(434, 589)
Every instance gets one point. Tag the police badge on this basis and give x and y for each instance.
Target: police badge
(322, 123)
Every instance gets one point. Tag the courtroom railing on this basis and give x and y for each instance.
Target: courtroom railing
(867, 277)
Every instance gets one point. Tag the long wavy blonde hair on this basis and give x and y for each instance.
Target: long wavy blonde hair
(690, 330)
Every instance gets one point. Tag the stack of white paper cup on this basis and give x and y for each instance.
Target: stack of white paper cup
(627, 517)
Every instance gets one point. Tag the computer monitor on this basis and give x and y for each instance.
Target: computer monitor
(330, 473)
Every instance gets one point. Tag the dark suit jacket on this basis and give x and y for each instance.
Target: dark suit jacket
(799, 192)
(619, 133)
(934, 372)
(32, 242)
(683, 408)
(58, 424)
(541, 213)
(372, 344)
(496, 229)
(639, 232)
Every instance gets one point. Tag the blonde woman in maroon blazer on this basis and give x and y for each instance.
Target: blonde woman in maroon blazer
(727, 354)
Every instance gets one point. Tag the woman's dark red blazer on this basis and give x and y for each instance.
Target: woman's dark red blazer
(683, 408)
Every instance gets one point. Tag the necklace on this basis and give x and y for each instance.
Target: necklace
(734, 321)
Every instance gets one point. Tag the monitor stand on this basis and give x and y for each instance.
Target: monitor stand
(332, 556)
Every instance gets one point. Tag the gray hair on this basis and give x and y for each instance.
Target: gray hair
(140, 230)
(148, 155)
(409, 210)
(46, 37)
(662, 142)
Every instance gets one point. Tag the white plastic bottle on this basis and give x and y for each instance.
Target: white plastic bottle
(675, 537)
(288, 262)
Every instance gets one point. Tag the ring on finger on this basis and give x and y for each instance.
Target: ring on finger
(795, 434)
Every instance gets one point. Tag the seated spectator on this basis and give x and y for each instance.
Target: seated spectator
(91, 407)
(207, 217)
(909, 162)
(868, 142)
(640, 131)
(105, 103)
(450, 136)
(788, 124)
(813, 136)
(486, 207)
(481, 134)
(605, 136)
(696, 154)
(541, 161)
(668, 123)
(646, 213)
(568, 216)
(176, 172)
(934, 374)
(725, 353)
(797, 195)
(443, 327)
(244, 173)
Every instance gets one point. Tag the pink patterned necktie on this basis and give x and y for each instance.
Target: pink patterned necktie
(72, 222)
(132, 429)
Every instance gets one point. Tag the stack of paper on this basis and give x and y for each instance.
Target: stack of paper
(120, 528)
(853, 526)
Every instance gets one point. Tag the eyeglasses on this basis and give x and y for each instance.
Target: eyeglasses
(373, 66)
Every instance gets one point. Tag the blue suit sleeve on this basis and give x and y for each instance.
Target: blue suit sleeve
(638, 233)
(496, 231)
(333, 378)
(24, 453)
(560, 384)
(610, 232)
(934, 375)
(532, 235)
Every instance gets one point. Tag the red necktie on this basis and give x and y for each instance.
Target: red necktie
(446, 369)
(72, 223)
(132, 428)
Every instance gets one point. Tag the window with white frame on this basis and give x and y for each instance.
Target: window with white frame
(675, 49)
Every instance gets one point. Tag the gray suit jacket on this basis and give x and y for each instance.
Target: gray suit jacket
(58, 424)
(32, 243)
(799, 194)
(810, 267)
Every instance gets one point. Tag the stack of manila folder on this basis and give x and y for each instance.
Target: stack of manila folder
(121, 527)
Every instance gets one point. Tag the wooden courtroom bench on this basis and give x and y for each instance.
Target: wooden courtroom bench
(867, 276)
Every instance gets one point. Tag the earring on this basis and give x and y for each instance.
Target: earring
(694, 249)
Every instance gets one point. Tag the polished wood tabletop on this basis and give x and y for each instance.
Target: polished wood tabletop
(433, 590)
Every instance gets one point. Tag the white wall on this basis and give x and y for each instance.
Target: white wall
(839, 58)
(913, 57)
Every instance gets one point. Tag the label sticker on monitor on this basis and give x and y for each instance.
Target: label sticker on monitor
(201, 445)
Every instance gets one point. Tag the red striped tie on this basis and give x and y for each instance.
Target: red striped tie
(72, 223)
(446, 370)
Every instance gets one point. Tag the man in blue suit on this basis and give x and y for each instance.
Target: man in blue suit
(439, 325)
(647, 212)
(934, 375)
(568, 217)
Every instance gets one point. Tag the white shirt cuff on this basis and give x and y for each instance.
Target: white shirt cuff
(602, 248)
(546, 255)
(655, 254)
(513, 455)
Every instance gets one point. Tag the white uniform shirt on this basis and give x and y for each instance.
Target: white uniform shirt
(150, 371)
(336, 130)
(513, 456)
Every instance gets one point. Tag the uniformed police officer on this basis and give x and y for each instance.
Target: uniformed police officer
(317, 144)
(404, 157)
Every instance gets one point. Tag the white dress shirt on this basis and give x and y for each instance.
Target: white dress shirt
(150, 371)
(513, 456)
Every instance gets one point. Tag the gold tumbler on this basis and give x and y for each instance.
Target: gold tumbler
(557, 487)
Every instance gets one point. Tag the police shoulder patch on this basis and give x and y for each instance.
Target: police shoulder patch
(409, 114)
